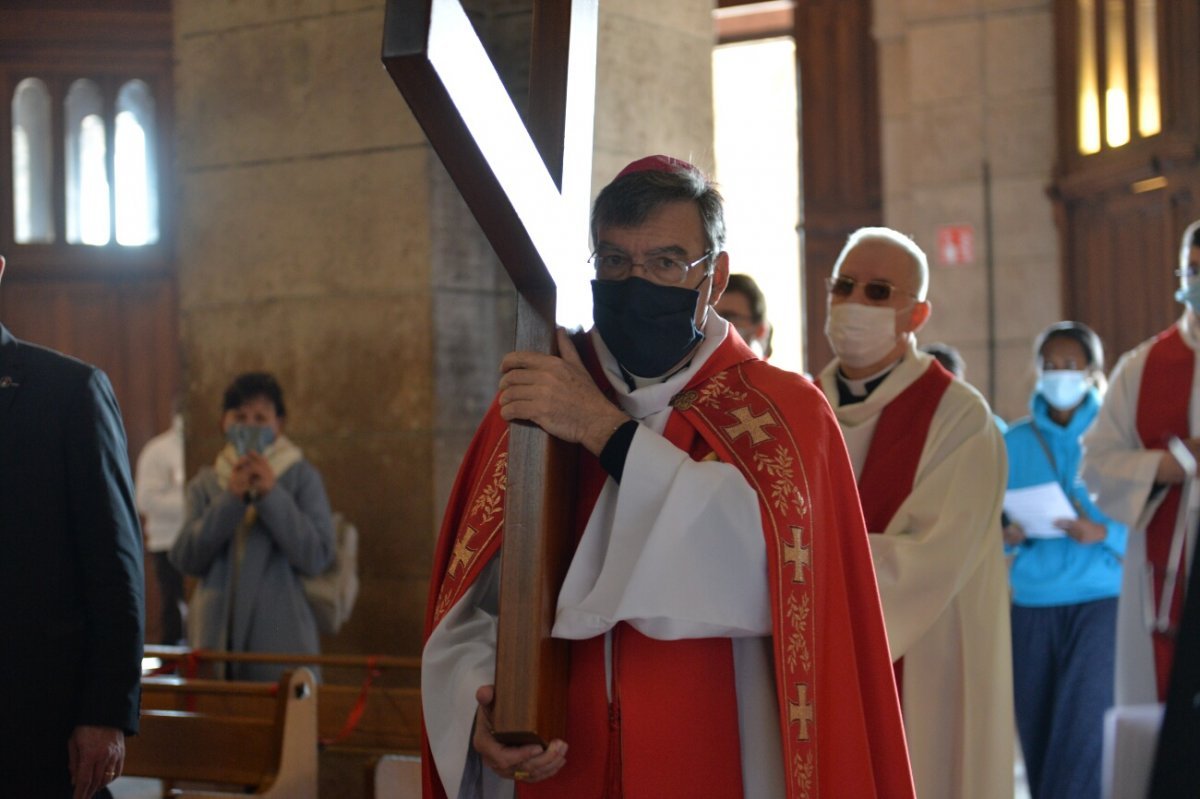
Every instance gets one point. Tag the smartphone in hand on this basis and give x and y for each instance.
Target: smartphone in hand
(248, 438)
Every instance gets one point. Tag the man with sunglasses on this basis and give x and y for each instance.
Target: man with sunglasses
(931, 470)
(726, 638)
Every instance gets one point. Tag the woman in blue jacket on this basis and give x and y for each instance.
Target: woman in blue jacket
(1064, 589)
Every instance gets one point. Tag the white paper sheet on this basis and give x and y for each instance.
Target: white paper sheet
(1037, 507)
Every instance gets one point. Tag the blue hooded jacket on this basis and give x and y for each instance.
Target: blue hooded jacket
(1060, 571)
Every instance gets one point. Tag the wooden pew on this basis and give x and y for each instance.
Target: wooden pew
(360, 721)
(261, 736)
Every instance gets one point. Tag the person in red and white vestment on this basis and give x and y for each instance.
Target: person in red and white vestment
(932, 470)
(1152, 398)
(725, 627)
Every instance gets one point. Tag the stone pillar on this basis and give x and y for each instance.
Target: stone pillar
(965, 83)
(653, 84)
(320, 238)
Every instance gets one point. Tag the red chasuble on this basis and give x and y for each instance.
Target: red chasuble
(1162, 412)
(896, 446)
(671, 727)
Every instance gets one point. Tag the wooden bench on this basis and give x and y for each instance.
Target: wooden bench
(260, 737)
(368, 707)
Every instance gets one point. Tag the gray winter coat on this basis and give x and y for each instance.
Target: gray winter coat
(292, 537)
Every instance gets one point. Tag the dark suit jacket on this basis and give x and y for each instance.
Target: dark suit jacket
(71, 604)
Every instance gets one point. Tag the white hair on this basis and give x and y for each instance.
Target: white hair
(894, 238)
(1191, 238)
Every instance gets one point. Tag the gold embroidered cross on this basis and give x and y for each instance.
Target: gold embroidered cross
(797, 554)
(462, 553)
(749, 423)
(801, 711)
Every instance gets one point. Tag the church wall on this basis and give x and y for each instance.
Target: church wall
(966, 83)
(305, 248)
(320, 238)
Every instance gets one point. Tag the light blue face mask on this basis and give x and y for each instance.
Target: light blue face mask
(1063, 388)
(1190, 295)
(249, 438)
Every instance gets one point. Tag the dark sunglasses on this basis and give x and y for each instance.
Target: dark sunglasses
(875, 290)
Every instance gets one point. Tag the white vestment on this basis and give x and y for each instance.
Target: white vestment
(159, 482)
(632, 565)
(944, 586)
(1119, 471)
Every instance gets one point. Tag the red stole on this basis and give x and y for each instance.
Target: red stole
(1162, 412)
(671, 729)
(896, 445)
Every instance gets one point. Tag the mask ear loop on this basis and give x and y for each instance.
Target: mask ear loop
(908, 309)
(710, 303)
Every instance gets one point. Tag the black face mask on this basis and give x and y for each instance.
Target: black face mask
(647, 327)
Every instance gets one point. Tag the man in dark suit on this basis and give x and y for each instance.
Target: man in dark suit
(71, 605)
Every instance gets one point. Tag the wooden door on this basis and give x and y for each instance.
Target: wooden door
(840, 149)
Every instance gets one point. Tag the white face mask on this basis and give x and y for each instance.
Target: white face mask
(861, 335)
(1063, 388)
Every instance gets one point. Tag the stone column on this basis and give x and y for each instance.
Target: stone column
(965, 83)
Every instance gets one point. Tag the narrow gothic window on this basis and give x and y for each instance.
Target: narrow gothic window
(1117, 73)
(87, 190)
(33, 210)
(134, 166)
(1146, 30)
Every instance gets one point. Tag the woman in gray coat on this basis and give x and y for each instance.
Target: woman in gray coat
(257, 521)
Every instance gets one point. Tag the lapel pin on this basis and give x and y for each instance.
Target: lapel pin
(8, 382)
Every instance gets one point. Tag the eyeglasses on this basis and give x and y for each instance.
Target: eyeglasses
(618, 265)
(875, 290)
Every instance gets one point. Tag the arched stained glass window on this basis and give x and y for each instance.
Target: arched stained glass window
(33, 209)
(87, 193)
(134, 166)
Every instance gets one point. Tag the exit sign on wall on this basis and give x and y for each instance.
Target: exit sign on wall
(955, 245)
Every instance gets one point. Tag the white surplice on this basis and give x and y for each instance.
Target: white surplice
(676, 550)
(1119, 471)
(944, 586)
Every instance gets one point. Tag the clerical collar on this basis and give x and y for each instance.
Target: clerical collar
(634, 382)
(852, 391)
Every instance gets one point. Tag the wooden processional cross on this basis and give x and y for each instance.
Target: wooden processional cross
(528, 187)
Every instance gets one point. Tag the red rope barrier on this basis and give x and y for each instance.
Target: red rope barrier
(356, 713)
(190, 668)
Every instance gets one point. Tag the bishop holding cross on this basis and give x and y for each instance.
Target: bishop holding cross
(703, 661)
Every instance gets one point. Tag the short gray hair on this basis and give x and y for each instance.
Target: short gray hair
(632, 197)
(894, 238)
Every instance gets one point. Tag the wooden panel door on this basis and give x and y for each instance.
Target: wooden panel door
(1120, 256)
(840, 145)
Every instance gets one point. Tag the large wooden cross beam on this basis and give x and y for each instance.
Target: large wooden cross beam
(528, 187)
